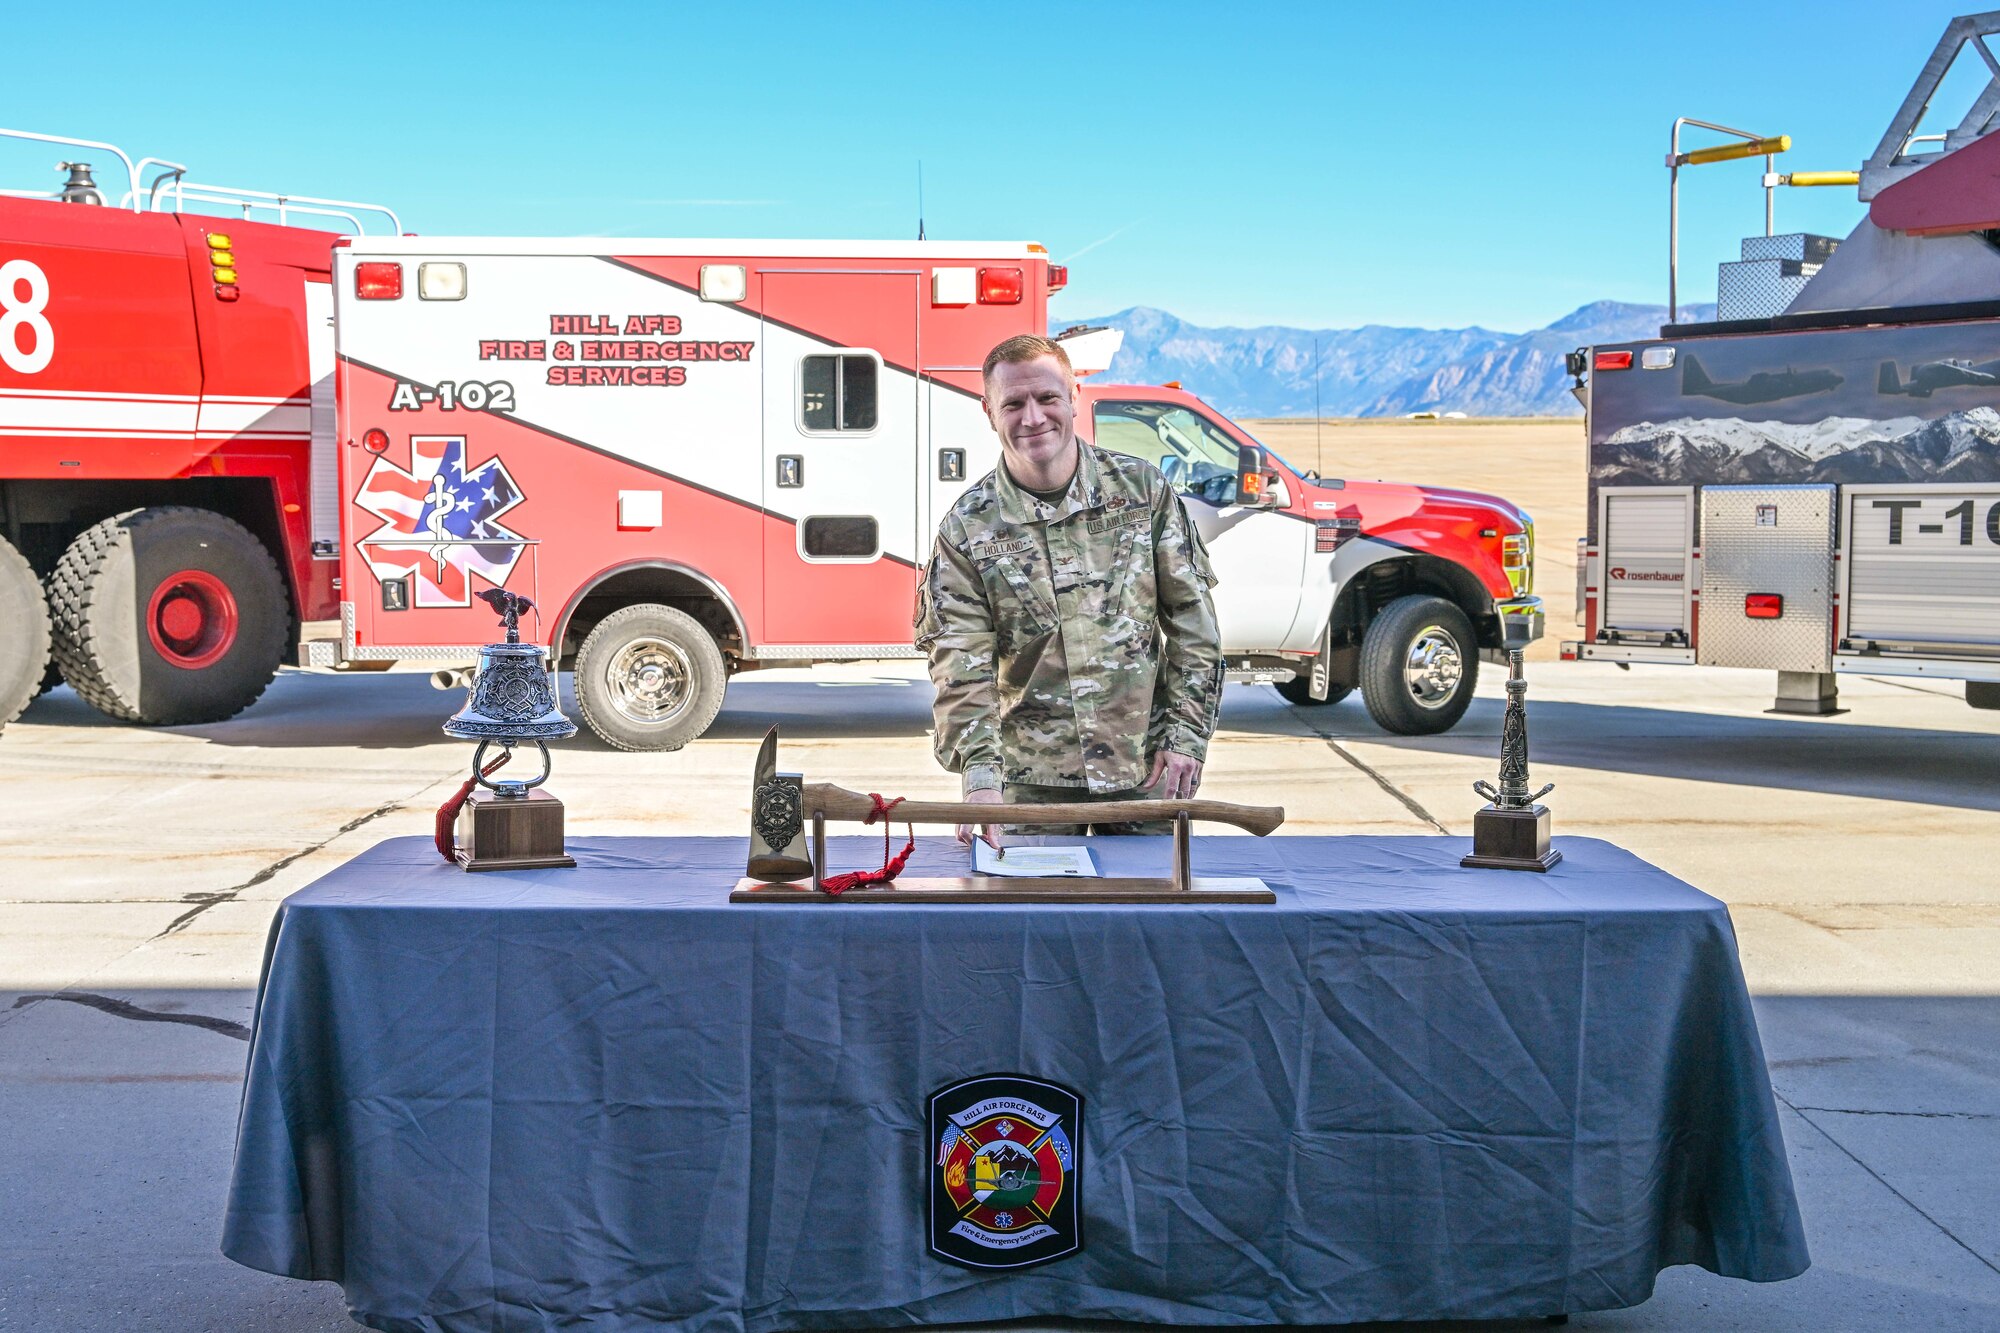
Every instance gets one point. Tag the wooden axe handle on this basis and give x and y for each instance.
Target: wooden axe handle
(823, 798)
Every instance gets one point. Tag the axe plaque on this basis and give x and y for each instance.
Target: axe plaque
(784, 867)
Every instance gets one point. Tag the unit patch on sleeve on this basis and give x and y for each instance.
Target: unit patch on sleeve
(1006, 1161)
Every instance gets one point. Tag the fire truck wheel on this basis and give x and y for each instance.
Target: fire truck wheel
(649, 677)
(169, 616)
(24, 633)
(1419, 662)
(1298, 690)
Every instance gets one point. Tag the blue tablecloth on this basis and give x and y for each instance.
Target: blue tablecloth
(606, 1099)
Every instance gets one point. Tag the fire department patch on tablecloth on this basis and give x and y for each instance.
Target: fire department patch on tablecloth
(1006, 1159)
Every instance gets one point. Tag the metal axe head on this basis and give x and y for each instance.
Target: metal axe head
(777, 819)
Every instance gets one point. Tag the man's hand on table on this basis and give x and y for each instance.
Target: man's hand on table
(1175, 777)
(990, 833)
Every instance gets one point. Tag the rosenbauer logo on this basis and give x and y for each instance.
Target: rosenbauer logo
(1620, 575)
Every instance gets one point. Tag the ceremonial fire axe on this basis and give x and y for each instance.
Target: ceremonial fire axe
(782, 803)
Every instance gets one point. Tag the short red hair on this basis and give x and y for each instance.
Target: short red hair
(1023, 348)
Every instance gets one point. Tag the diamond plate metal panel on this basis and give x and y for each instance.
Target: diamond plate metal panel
(1767, 539)
(1796, 245)
(1759, 288)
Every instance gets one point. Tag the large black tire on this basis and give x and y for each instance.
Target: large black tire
(1298, 690)
(169, 616)
(24, 633)
(649, 677)
(1419, 664)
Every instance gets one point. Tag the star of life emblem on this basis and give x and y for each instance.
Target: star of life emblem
(440, 521)
(1005, 1172)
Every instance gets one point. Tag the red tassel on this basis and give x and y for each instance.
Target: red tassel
(447, 815)
(892, 866)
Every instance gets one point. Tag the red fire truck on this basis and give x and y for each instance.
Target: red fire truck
(166, 434)
(696, 457)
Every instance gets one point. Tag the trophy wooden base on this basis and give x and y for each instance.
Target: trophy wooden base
(511, 832)
(1016, 889)
(1504, 839)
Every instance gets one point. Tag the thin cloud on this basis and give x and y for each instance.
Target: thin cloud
(1102, 240)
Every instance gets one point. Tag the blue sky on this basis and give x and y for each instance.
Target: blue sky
(1325, 165)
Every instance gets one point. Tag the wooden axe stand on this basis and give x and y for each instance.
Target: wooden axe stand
(824, 801)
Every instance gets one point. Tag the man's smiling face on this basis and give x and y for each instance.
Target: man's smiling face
(1032, 406)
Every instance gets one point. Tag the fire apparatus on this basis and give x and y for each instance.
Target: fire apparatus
(1810, 483)
(166, 436)
(697, 458)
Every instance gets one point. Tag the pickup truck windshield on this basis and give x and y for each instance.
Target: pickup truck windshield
(1193, 453)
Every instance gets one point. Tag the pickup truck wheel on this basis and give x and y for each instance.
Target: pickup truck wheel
(649, 677)
(1419, 663)
(24, 633)
(169, 616)
(1298, 690)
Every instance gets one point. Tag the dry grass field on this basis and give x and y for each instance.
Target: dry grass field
(1537, 462)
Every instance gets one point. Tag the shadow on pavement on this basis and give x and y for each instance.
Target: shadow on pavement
(400, 710)
(1947, 768)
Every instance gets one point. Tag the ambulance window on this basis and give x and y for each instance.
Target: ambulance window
(840, 537)
(837, 393)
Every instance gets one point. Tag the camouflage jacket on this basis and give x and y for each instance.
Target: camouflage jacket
(1069, 642)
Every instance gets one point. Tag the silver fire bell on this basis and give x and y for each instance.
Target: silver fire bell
(513, 698)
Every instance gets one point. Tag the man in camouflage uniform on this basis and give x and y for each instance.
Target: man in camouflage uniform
(1066, 612)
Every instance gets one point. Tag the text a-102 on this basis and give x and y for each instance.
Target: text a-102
(451, 395)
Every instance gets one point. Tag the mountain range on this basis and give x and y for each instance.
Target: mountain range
(1375, 370)
(1963, 446)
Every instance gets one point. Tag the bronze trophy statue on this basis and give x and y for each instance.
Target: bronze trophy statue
(511, 825)
(1512, 832)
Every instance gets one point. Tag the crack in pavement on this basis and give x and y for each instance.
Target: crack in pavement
(1907, 1200)
(1402, 797)
(1919, 1115)
(203, 901)
(105, 1004)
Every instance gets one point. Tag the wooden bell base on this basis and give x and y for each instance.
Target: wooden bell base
(1504, 839)
(496, 832)
(1015, 889)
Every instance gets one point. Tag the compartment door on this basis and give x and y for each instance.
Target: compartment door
(1923, 569)
(1648, 563)
(1767, 541)
(841, 549)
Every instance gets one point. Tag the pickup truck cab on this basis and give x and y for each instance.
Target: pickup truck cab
(1327, 586)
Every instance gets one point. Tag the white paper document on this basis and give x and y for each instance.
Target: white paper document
(1074, 862)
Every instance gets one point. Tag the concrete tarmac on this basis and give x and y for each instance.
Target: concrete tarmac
(1860, 856)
